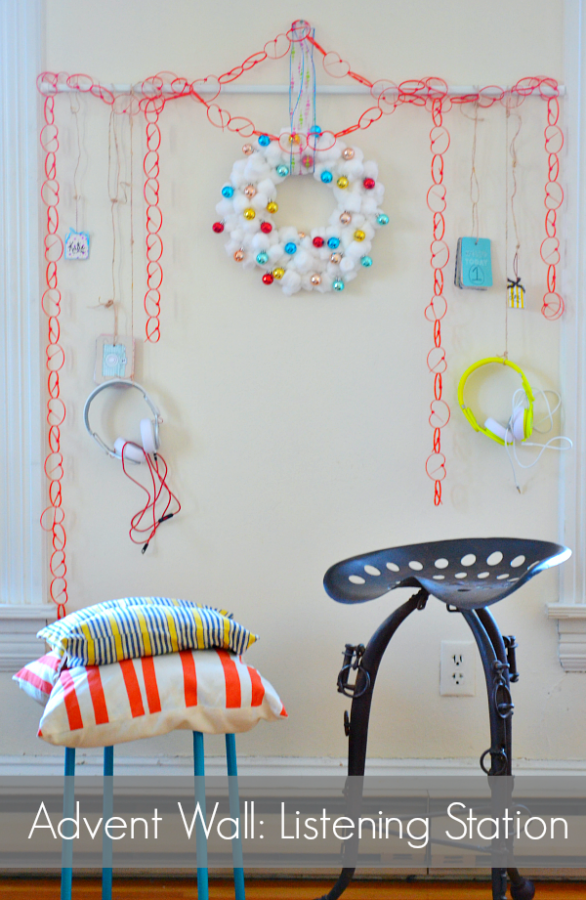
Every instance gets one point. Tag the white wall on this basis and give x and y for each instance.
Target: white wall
(296, 428)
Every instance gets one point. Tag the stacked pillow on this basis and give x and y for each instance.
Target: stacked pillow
(142, 666)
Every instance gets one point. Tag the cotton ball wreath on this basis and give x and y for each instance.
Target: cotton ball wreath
(329, 257)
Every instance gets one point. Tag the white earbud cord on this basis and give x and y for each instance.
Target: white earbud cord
(553, 443)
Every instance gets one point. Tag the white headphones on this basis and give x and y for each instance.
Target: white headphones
(149, 428)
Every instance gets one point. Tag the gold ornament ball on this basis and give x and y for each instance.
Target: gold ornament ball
(247, 149)
(249, 214)
(272, 207)
(348, 153)
(336, 257)
(315, 279)
(239, 255)
(294, 139)
(359, 235)
(278, 272)
(345, 218)
(249, 190)
(342, 181)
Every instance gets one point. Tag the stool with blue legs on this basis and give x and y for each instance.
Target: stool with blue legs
(108, 811)
(467, 575)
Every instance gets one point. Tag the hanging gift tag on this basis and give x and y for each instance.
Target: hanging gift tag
(77, 245)
(515, 294)
(473, 264)
(114, 358)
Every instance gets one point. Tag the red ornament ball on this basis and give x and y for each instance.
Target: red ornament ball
(218, 227)
(318, 242)
(267, 278)
(369, 183)
(266, 227)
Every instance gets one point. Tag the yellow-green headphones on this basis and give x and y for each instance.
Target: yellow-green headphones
(520, 424)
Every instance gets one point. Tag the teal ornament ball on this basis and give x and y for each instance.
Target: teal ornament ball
(326, 177)
(334, 243)
(291, 248)
(262, 258)
(282, 171)
(338, 285)
(227, 191)
(382, 219)
(264, 140)
(315, 129)
(366, 261)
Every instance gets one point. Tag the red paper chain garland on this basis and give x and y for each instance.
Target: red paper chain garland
(553, 305)
(154, 219)
(53, 517)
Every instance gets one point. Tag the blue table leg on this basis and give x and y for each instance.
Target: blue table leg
(200, 797)
(108, 812)
(68, 812)
(235, 814)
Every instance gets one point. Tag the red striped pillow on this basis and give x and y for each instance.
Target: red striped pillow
(212, 691)
(38, 677)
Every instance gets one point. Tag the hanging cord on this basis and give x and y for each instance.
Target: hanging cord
(131, 123)
(474, 185)
(161, 494)
(561, 442)
(75, 107)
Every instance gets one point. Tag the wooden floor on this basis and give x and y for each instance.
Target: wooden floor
(159, 889)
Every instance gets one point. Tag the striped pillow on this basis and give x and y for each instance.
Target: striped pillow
(212, 691)
(38, 678)
(138, 626)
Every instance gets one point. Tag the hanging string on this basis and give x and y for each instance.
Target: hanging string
(158, 503)
(474, 185)
(114, 196)
(130, 125)
(75, 106)
(302, 101)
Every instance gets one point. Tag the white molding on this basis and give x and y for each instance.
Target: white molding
(21, 483)
(18, 630)
(90, 763)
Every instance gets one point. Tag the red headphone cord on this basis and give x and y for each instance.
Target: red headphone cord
(136, 532)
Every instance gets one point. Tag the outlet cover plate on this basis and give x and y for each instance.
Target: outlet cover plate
(458, 668)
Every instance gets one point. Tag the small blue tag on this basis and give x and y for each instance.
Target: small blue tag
(77, 245)
(476, 267)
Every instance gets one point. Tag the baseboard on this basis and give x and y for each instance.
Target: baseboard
(90, 763)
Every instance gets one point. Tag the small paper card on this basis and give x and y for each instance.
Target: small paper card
(114, 357)
(77, 245)
(473, 264)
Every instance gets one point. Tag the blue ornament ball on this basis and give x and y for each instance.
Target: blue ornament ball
(227, 191)
(338, 285)
(262, 258)
(334, 243)
(326, 177)
(291, 248)
(382, 219)
(282, 171)
(315, 129)
(264, 140)
(366, 261)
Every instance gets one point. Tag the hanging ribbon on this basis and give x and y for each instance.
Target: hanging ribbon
(302, 97)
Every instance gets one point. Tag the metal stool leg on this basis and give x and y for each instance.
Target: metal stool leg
(235, 814)
(68, 812)
(357, 728)
(108, 812)
(200, 797)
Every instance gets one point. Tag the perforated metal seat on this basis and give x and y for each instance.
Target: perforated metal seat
(470, 573)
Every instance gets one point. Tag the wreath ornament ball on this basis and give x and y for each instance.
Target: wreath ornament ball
(325, 259)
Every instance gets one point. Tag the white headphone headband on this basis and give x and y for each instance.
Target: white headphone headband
(118, 382)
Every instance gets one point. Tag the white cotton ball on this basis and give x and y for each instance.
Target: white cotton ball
(263, 241)
(303, 262)
(370, 169)
(352, 200)
(289, 233)
(232, 247)
(259, 201)
(251, 226)
(368, 230)
(306, 284)
(326, 283)
(256, 168)
(267, 187)
(291, 282)
(357, 249)
(369, 206)
(273, 154)
(347, 264)
(240, 203)
(350, 276)
(224, 207)
(352, 168)
(379, 192)
(249, 261)
(276, 252)
(239, 180)
(237, 234)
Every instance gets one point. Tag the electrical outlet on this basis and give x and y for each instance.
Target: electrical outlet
(458, 668)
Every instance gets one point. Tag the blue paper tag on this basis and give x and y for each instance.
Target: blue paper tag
(476, 266)
(77, 245)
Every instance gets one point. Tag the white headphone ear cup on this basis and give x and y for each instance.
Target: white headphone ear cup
(498, 429)
(131, 451)
(518, 424)
(147, 436)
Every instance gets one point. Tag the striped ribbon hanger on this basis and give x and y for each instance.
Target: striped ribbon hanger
(302, 96)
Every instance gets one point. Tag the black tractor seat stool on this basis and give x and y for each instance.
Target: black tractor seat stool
(468, 575)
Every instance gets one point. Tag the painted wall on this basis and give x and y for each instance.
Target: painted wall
(296, 428)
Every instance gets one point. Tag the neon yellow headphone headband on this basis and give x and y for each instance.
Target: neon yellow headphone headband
(527, 413)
